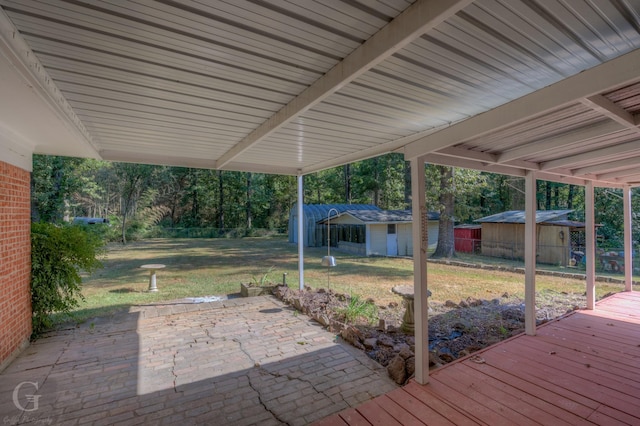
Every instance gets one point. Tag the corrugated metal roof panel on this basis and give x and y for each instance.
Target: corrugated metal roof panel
(518, 216)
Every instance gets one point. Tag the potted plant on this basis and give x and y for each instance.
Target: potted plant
(257, 287)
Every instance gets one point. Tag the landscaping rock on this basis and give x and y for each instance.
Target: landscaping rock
(385, 340)
(410, 367)
(397, 370)
(455, 330)
(352, 335)
(405, 353)
(370, 343)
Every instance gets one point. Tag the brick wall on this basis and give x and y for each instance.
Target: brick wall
(15, 262)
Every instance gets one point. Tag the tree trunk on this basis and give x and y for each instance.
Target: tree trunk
(376, 190)
(572, 193)
(195, 210)
(124, 222)
(248, 204)
(347, 183)
(407, 184)
(547, 196)
(220, 201)
(446, 246)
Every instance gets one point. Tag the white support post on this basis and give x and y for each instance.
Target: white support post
(590, 249)
(420, 244)
(530, 243)
(628, 246)
(300, 233)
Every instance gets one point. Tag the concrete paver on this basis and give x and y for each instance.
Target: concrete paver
(234, 362)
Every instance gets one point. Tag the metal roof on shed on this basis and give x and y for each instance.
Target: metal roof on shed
(384, 216)
(518, 216)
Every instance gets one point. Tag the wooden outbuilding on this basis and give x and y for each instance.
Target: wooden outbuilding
(503, 235)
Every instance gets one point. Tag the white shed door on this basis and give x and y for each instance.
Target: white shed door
(392, 240)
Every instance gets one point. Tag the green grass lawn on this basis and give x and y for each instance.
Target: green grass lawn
(206, 267)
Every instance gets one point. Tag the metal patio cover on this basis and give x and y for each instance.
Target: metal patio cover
(293, 87)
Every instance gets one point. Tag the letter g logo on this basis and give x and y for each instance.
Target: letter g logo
(31, 399)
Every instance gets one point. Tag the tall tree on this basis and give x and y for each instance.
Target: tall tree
(248, 202)
(221, 222)
(133, 179)
(347, 183)
(53, 181)
(446, 247)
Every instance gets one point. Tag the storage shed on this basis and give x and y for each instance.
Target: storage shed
(377, 232)
(312, 213)
(467, 238)
(503, 235)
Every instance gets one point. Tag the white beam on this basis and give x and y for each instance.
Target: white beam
(609, 109)
(629, 177)
(590, 249)
(555, 142)
(609, 166)
(416, 20)
(595, 155)
(485, 157)
(615, 73)
(471, 164)
(560, 178)
(620, 175)
(420, 245)
(530, 244)
(300, 233)
(628, 247)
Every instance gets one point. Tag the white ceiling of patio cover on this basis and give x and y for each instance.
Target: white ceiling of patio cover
(505, 86)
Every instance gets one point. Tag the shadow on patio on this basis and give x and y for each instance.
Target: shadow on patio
(240, 361)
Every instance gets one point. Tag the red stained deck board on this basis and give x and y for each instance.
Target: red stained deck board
(353, 417)
(581, 382)
(533, 407)
(479, 388)
(525, 371)
(610, 328)
(565, 408)
(594, 344)
(468, 406)
(630, 376)
(334, 420)
(376, 415)
(404, 417)
(605, 412)
(606, 384)
(434, 408)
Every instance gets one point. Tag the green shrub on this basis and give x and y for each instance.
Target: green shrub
(58, 255)
(358, 309)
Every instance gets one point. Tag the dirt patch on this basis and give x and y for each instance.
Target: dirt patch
(456, 329)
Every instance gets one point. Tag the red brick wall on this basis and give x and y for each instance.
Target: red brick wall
(15, 261)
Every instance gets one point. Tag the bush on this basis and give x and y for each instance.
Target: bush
(358, 309)
(58, 255)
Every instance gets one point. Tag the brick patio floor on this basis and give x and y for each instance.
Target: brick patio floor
(234, 362)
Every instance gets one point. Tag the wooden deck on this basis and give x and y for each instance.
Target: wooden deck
(581, 369)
